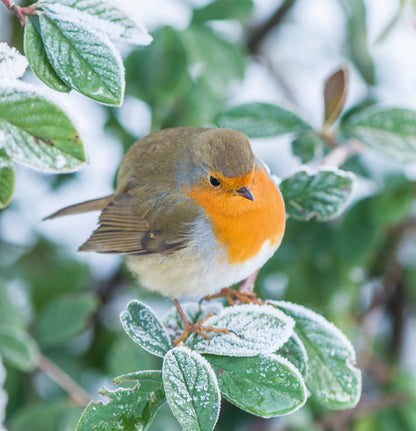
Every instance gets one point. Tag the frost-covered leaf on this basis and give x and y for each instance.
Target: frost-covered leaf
(308, 146)
(65, 317)
(145, 329)
(126, 409)
(36, 55)
(253, 329)
(37, 133)
(18, 348)
(294, 351)
(224, 9)
(335, 93)
(391, 131)
(191, 389)
(321, 194)
(83, 58)
(194, 311)
(6, 177)
(258, 120)
(104, 16)
(12, 64)
(332, 377)
(264, 385)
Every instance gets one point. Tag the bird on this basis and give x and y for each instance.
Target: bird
(194, 212)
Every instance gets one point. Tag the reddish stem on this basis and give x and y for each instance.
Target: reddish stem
(21, 12)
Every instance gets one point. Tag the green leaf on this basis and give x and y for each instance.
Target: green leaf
(156, 71)
(12, 64)
(145, 329)
(126, 409)
(104, 17)
(357, 39)
(391, 131)
(308, 146)
(264, 385)
(36, 55)
(65, 317)
(18, 348)
(194, 311)
(259, 120)
(332, 378)
(191, 389)
(84, 59)
(10, 314)
(223, 65)
(294, 351)
(253, 329)
(224, 9)
(6, 178)
(323, 194)
(46, 139)
(46, 416)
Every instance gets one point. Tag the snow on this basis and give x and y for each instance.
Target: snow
(12, 64)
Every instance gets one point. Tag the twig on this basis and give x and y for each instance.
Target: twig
(339, 155)
(21, 12)
(67, 383)
(257, 35)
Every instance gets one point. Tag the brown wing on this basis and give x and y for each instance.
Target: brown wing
(121, 231)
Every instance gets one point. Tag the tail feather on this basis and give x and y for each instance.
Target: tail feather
(82, 207)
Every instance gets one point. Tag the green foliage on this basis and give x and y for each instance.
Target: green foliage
(259, 120)
(191, 389)
(358, 269)
(322, 194)
(126, 408)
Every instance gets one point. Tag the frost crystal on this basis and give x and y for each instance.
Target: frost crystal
(253, 329)
(12, 64)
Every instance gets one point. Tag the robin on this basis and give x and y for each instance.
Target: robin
(195, 211)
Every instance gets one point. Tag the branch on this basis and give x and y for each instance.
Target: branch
(21, 12)
(67, 383)
(339, 155)
(258, 34)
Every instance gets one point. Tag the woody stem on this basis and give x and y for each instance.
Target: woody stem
(67, 383)
(21, 12)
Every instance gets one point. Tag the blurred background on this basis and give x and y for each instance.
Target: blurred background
(359, 271)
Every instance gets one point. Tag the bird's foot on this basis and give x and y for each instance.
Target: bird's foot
(197, 327)
(229, 294)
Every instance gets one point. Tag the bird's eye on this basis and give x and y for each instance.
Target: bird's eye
(214, 182)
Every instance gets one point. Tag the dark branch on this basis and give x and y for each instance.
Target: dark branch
(257, 36)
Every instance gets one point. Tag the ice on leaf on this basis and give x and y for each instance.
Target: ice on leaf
(191, 389)
(104, 16)
(132, 409)
(6, 176)
(321, 194)
(36, 132)
(12, 64)
(145, 329)
(264, 385)
(332, 378)
(83, 58)
(253, 329)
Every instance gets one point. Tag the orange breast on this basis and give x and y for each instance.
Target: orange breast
(241, 225)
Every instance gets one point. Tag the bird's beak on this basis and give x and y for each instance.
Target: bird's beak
(245, 193)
